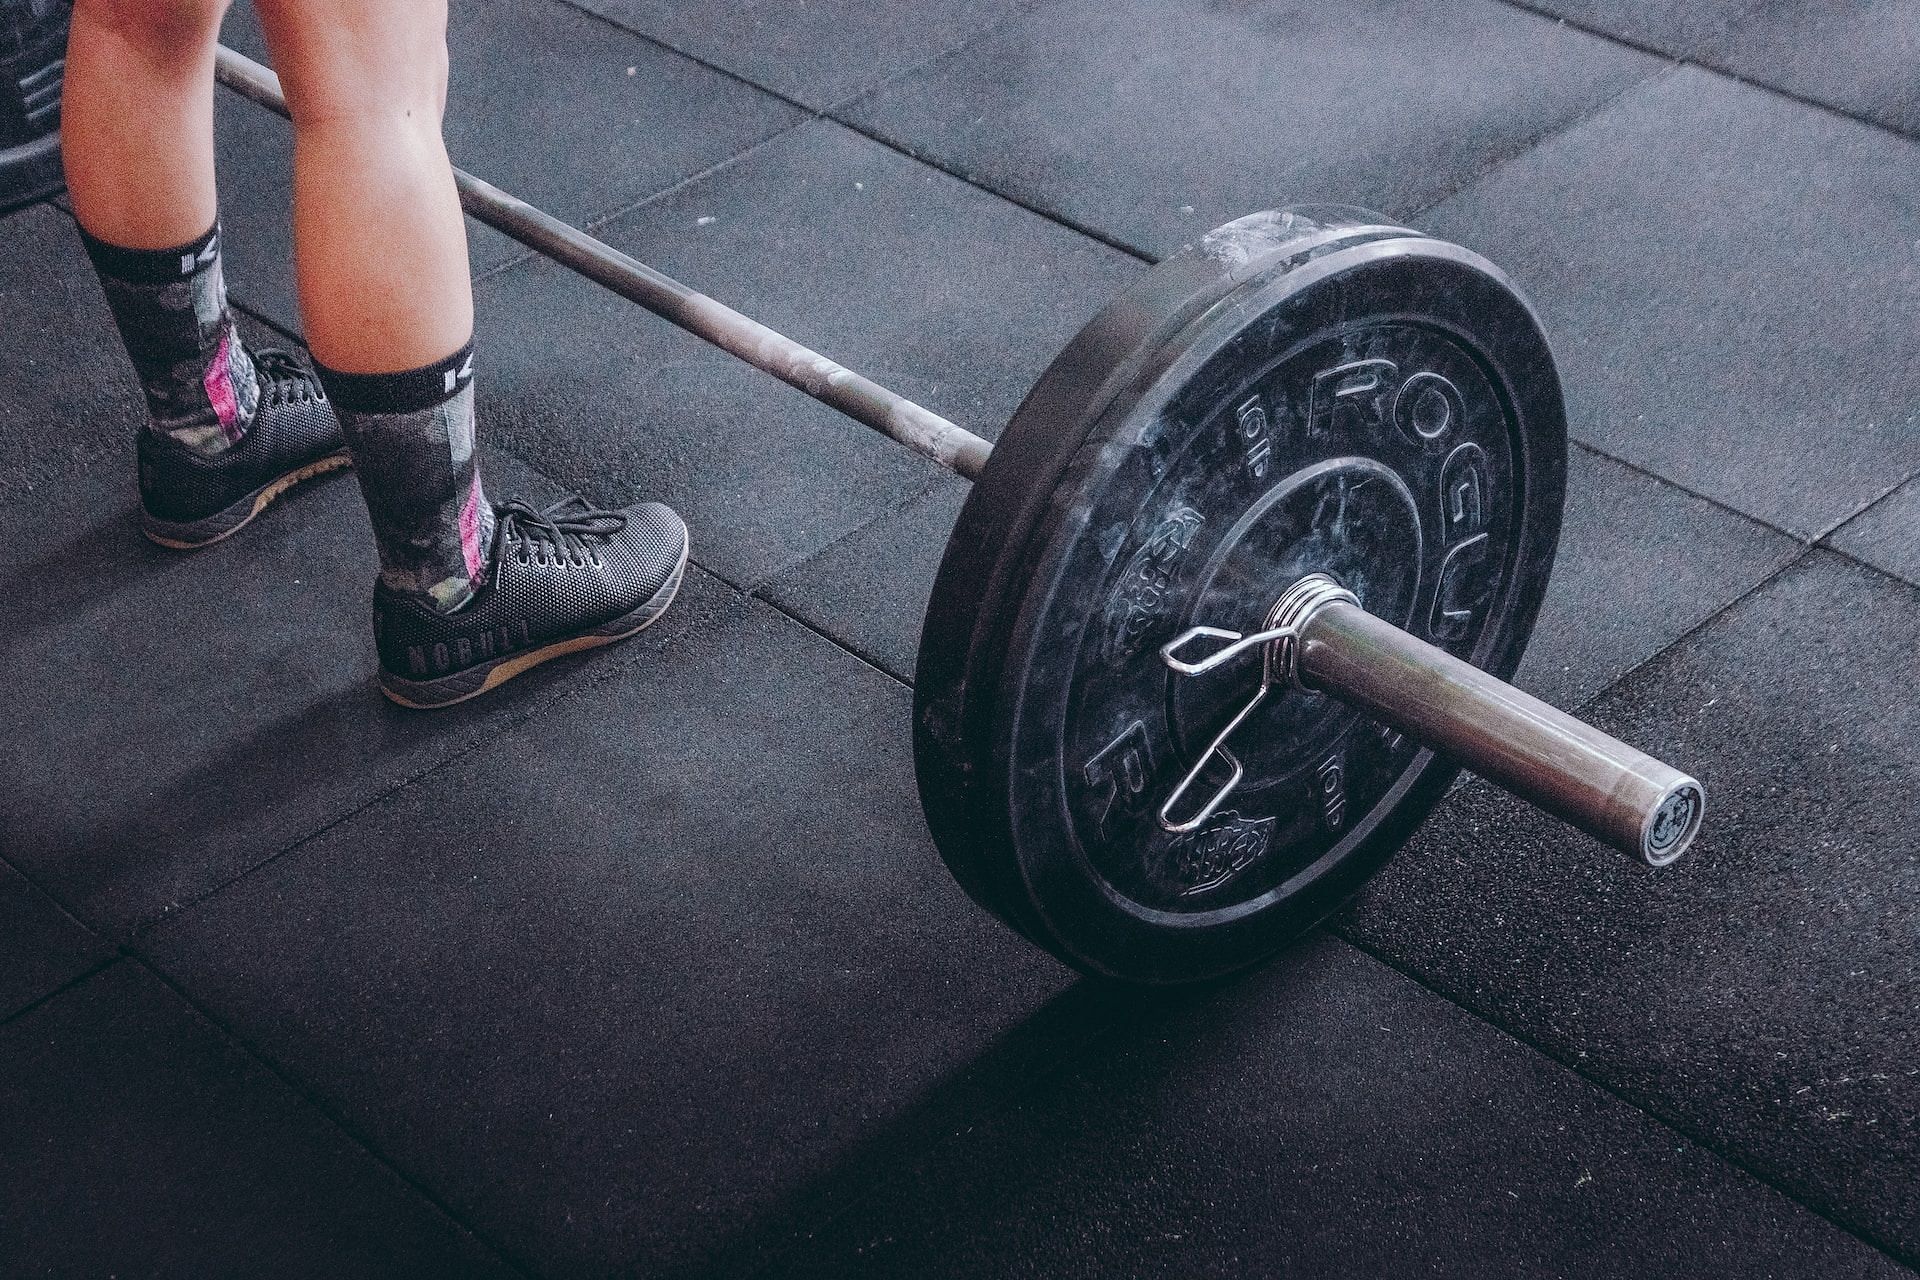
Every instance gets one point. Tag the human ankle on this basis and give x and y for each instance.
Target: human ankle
(170, 305)
(412, 437)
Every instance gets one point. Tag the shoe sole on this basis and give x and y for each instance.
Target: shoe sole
(191, 535)
(431, 695)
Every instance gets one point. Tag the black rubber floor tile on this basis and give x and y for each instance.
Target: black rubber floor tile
(173, 719)
(819, 52)
(938, 290)
(41, 947)
(1760, 993)
(549, 103)
(1887, 534)
(1725, 274)
(1153, 121)
(1858, 56)
(1641, 564)
(68, 396)
(869, 590)
(650, 975)
(1323, 1117)
(136, 1140)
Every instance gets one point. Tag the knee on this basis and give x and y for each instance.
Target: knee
(162, 28)
(381, 71)
(410, 96)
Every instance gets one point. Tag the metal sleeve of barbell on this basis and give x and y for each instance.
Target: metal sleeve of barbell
(1623, 796)
(858, 397)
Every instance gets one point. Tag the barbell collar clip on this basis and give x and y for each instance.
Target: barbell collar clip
(1318, 637)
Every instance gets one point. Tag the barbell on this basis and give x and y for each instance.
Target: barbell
(1237, 592)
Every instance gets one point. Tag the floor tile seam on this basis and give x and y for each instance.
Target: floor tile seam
(1699, 60)
(1647, 1107)
(1728, 508)
(1666, 66)
(86, 975)
(583, 680)
(613, 212)
(58, 903)
(753, 596)
(666, 46)
(329, 1113)
(1057, 217)
(1805, 552)
(1111, 1026)
(1662, 70)
(144, 926)
(753, 593)
(1865, 507)
(1893, 576)
(1583, 708)
(1016, 10)
(49, 200)
(835, 641)
(802, 560)
(66, 908)
(1910, 1261)
(832, 113)
(595, 222)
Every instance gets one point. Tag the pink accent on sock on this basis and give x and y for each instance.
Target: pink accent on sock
(470, 531)
(219, 385)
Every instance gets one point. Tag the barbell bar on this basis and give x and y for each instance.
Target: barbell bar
(1141, 494)
(859, 398)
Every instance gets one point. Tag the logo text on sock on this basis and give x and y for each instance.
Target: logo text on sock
(458, 375)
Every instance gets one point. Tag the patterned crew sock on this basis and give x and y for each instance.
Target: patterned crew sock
(171, 306)
(411, 436)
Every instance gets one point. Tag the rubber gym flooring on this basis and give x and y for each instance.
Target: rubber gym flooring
(645, 966)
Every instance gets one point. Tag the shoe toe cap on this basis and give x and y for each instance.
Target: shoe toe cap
(654, 541)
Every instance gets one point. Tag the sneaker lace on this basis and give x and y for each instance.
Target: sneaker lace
(283, 379)
(566, 529)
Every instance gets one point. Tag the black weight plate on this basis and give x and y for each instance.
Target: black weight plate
(1351, 398)
(962, 641)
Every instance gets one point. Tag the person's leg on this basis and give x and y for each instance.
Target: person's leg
(380, 243)
(226, 433)
(467, 596)
(137, 120)
(137, 136)
(381, 256)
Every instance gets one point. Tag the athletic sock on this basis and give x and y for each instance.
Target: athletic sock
(411, 436)
(171, 307)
